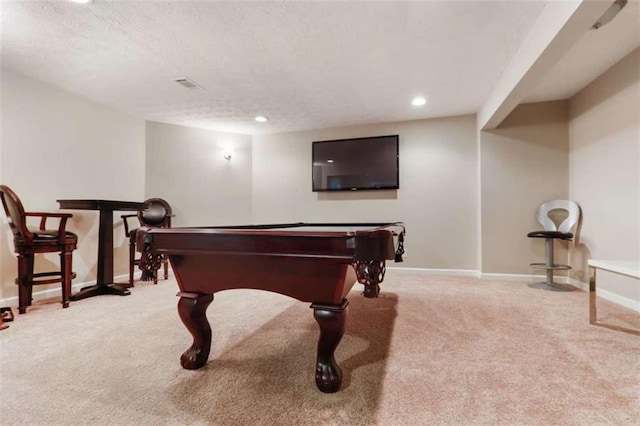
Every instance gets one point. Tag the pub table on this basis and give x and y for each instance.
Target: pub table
(104, 282)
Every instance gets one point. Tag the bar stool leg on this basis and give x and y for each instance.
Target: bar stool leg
(549, 266)
(549, 259)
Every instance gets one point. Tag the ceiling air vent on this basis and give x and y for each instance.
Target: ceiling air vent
(185, 82)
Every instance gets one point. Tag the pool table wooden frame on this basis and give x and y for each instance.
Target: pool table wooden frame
(317, 263)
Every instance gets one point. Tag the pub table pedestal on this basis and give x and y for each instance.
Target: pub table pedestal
(104, 281)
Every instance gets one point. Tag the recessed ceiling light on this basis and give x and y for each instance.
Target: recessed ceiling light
(262, 118)
(82, 1)
(419, 101)
(329, 161)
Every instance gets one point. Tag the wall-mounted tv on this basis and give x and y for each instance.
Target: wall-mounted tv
(356, 164)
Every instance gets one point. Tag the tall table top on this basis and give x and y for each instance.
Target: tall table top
(104, 205)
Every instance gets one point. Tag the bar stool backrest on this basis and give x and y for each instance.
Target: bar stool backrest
(573, 215)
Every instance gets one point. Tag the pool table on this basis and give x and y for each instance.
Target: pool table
(316, 263)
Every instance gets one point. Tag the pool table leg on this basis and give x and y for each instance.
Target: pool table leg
(192, 308)
(331, 319)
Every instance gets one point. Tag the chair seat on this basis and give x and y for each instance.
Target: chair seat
(132, 235)
(51, 234)
(46, 236)
(551, 234)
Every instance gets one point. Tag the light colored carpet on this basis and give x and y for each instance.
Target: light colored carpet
(432, 350)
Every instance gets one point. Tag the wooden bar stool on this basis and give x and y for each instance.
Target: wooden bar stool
(30, 241)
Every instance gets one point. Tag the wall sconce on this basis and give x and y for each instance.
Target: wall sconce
(227, 155)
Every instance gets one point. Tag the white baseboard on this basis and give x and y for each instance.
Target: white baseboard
(424, 271)
(619, 300)
(521, 277)
(604, 294)
(469, 273)
(55, 292)
(610, 296)
(578, 284)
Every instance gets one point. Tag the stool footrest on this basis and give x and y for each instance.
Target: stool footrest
(555, 267)
(41, 278)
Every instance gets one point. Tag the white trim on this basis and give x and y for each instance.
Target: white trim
(609, 296)
(425, 271)
(55, 292)
(579, 284)
(473, 273)
(521, 277)
(604, 294)
(634, 305)
(478, 195)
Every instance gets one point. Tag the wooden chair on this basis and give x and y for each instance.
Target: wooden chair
(157, 215)
(30, 241)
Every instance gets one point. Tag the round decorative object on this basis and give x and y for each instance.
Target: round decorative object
(149, 264)
(370, 274)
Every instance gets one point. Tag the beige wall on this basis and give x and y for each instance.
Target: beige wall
(605, 169)
(468, 199)
(3, 220)
(524, 162)
(436, 199)
(57, 145)
(186, 167)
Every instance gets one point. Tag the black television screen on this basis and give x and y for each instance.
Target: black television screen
(355, 164)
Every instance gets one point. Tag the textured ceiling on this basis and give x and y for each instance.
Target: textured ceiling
(302, 64)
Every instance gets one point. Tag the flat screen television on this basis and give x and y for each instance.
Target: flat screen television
(356, 164)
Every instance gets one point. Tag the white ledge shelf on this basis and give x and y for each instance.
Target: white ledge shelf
(630, 268)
